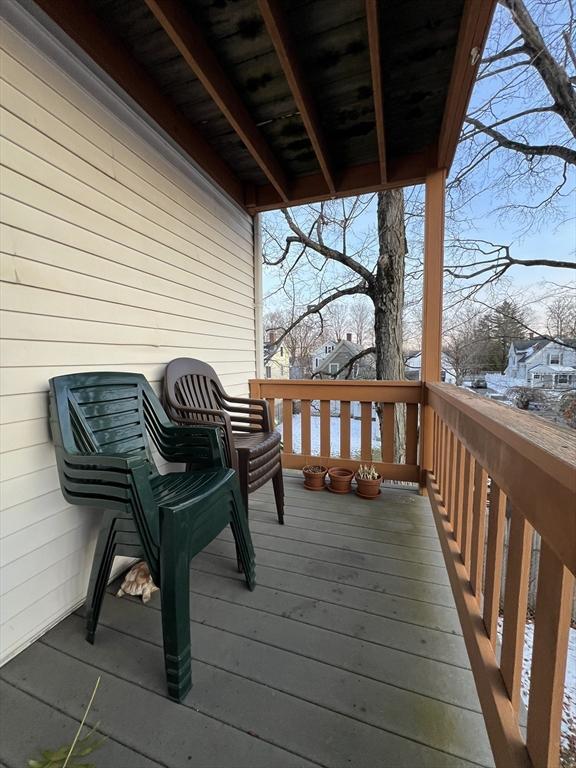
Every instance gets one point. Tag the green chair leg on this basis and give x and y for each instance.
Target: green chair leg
(100, 555)
(175, 600)
(118, 542)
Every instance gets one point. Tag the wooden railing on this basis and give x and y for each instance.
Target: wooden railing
(306, 404)
(495, 472)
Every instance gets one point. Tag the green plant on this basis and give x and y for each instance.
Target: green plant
(66, 756)
(365, 472)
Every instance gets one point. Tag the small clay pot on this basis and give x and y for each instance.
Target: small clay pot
(340, 479)
(314, 477)
(368, 489)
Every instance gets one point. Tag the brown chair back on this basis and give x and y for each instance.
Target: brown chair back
(193, 384)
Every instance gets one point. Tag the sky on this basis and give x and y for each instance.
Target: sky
(549, 235)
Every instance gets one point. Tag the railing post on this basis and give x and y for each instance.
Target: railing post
(432, 309)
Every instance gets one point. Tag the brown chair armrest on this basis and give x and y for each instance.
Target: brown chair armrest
(259, 405)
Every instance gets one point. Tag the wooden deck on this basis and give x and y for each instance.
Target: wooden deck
(348, 653)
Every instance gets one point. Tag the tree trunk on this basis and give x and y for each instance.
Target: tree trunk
(388, 297)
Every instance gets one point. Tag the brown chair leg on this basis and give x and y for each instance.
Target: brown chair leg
(278, 483)
(243, 481)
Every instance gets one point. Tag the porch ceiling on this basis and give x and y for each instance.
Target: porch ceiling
(282, 102)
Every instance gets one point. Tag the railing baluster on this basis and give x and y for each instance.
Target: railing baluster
(451, 477)
(272, 410)
(412, 433)
(467, 499)
(438, 437)
(494, 557)
(325, 428)
(551, 632)
(366, 431)
(287, 425)
(345, 429)
(305, 427)
(445, 434)
(436, 428)
(515, 604)
(478, 529)
(458, 491)
(387, 432)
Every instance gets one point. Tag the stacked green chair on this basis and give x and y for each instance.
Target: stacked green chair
(103, 427)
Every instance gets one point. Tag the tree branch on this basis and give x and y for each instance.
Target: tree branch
(326, 251)
(530, 150)
(500, 263)
(550, 70)
(350, 364)
(315, 309)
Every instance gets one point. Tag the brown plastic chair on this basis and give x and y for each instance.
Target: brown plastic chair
(193, 394)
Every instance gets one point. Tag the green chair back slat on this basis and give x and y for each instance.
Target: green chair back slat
(103, 414)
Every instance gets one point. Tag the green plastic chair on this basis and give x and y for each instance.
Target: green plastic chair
(103, 426)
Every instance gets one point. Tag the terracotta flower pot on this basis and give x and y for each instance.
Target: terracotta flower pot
(368, 489)
(340, 479)
(314, 477)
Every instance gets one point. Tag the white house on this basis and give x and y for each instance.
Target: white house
(276, 361)
(541, 362)
(319, 354)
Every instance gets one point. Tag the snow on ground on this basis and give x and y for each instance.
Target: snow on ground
(568, 732)
(334, 435)
(502, 383)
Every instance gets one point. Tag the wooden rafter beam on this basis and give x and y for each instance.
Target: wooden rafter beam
(354, 180)
(84, 27)
(190, 41)
(372, 23)
(472, 35)
(278, 29)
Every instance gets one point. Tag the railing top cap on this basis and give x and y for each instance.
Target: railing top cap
(513, 425)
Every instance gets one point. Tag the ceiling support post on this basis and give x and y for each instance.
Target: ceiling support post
(431, 367)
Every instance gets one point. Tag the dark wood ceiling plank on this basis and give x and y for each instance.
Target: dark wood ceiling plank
(372, 23)
(85, 28)
(279, 32)
(474, 27)
(354, 180)
(193, 47)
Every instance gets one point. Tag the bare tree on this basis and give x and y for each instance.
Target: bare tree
(561, 317)
(299, 342)
(518, 136)
(337, 320)
(323, 243)
(361, 320)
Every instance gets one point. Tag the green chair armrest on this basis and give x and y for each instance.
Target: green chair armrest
(197, 444)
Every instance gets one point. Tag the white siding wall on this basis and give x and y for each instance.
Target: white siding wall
(112, 259)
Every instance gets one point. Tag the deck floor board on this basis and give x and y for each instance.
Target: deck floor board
(348, 653)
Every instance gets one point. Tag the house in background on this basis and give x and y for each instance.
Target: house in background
(413, 366)
(276, 361)
(540, 362)
(320, 354)
(340, 354)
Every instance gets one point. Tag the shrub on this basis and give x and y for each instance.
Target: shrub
(524, 397)
(567, 408)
